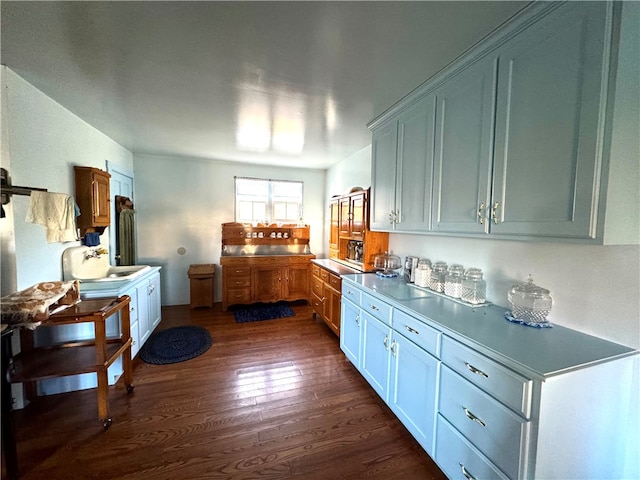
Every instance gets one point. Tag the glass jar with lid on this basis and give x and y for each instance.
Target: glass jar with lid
(438, 272)
(453, 281)
(423, 273)
(474, 287)
(529, 302)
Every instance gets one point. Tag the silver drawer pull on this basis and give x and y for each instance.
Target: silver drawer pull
(471, 416)
(466, 473)
(412, 330)
(475, 370)
(349, 292)
(373, 307)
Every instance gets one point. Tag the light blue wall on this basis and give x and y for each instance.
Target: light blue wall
(183, 202)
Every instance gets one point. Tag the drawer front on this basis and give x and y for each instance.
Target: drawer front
(316, 286)
(237, 281)
(238, 295)
(324, 275)
(377, 308)
(509, 387)
(492, 428)
(351, 293)
(315, 270)
(419, 333)
(232, 270)
(317, 305)
(459, 459)
(335, 281)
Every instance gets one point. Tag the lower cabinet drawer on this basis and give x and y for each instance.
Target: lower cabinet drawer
(459, 459)
(377, 308)
(419, 333)
(351, 293)
(335, 281)
(241, 295)
(233, 281)
(316, 286)
(492, 428)
(316, 304)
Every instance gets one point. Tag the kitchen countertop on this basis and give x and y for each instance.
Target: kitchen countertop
(336, 267)
(543, 352)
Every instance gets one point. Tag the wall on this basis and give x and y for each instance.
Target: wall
(42, 141)
(182, 203)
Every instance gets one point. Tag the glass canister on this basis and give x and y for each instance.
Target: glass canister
(423, 273)
(529, 302)
(438, 273)
(474, 287)
(453, 281)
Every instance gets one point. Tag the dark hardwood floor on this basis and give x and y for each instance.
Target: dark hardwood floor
(273, 399)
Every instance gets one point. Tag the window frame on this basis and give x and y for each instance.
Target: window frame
(269, 201)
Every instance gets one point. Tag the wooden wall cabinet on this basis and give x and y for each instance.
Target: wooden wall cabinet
(92, 197)
(326, 296)
(264, 278)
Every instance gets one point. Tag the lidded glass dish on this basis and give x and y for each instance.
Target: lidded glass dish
(474, 287)
(423, 273)
(453, 281)
(438, 273)
(529, 302)
(387, 264)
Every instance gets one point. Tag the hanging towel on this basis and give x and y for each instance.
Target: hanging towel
(126, 236)
(56, 212)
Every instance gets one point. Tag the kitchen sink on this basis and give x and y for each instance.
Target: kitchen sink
(115, 274)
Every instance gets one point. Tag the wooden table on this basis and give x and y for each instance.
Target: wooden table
(83, 356)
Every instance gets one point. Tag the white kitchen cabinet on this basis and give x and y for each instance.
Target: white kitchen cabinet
(487, 398)
(521, 132)
(402, 166)
(350, 331)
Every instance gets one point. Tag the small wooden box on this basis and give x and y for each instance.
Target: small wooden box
(201, 285)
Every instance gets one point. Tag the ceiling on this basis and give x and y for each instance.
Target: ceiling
(275, 83)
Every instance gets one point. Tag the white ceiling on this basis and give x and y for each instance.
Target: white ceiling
(279, 83)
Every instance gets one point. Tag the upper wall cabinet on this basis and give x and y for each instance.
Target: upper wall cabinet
(402, 169)
(518, 147)
(92, 197)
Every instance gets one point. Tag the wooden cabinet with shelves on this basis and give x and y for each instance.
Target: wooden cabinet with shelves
(326, 296)
(264, 278)
(92, 198)
(352, 225)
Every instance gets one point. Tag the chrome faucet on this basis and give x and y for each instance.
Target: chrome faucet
(95, 253)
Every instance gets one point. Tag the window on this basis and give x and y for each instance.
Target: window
(268, 201)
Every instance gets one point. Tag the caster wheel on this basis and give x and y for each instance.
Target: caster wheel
(106, 423)
(129, 388)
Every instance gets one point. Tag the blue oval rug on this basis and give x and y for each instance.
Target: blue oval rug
(176, 344)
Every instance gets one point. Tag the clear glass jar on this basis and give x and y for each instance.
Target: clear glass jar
(438, 272)
(453, 281)
(529, 302)
(423, 273)
(474, 287)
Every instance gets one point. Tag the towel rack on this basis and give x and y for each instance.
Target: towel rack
(8, 189)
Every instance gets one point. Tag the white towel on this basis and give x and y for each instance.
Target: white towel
(56, 211)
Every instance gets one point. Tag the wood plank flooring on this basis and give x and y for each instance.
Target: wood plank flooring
(269, 400)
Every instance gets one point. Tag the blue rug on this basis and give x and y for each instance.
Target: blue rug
(176, 344)
(262, 311)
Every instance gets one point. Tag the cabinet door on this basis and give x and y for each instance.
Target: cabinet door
(463, 149)
(153, 297)
(101, 206)
(345, 217)
(376, 354)
(334, 226)
(415, 166)
(144, 326)
(332, 308)
(412, 394)
(547, 158)
(383, 176)
(358, 216)
(296, 283)
(267, 283)
(351, 332)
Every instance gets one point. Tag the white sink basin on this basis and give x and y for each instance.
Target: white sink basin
(118, 274)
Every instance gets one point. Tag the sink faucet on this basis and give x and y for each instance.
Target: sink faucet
(95, 253)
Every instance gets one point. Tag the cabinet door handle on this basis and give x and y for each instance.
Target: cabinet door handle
(466, 473)
(349, 292)
(396, 216)
(481, 209)
(386, 342)
(471, 416)
(475, 370)
(394, 345)
(391, 217)
(373, 307)
(358, 320)
(494, 212)
(412, 330)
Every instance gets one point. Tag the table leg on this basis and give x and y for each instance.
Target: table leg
(125, 322)
(101, 372)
